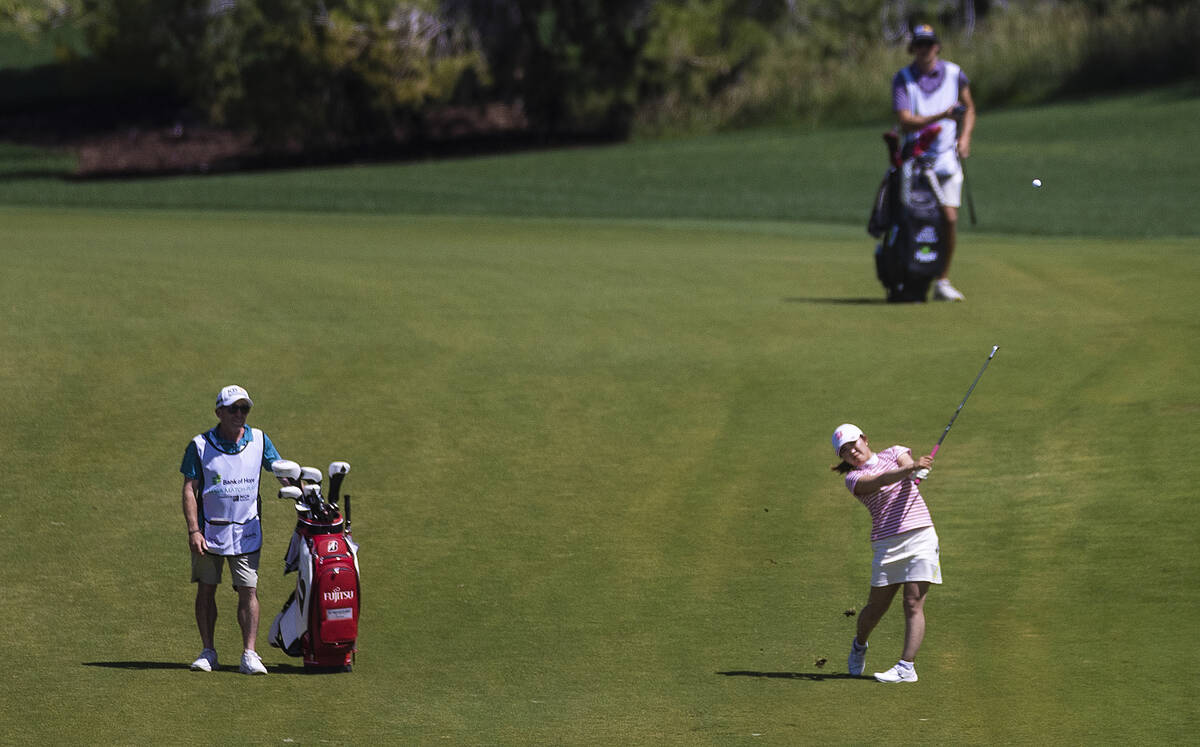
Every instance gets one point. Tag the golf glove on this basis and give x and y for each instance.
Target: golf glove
(921, 474)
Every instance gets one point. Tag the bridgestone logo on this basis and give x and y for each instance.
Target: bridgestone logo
(337, 595)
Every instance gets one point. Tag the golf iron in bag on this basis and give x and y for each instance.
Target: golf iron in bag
(319, 621)
(907, 219)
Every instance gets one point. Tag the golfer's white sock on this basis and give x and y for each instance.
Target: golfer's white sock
(905, 664)
(858, 646)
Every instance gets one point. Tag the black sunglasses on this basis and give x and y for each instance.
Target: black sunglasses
(238, 408)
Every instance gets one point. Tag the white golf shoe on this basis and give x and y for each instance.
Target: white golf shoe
(206, 662)
(897, 673)
(858, 658)
(251, 664)
(943, 291)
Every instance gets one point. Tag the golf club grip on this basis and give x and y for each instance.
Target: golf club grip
(932, 453)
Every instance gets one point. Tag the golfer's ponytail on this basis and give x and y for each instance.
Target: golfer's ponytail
(842, 468)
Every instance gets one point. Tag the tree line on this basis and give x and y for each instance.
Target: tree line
(353, 71)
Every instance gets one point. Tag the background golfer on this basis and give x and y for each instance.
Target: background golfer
(903, 538)
(222, 509)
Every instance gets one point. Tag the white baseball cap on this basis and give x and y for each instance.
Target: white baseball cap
(231, 394)
(846, 433)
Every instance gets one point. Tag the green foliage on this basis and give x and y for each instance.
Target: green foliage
(571, 65)
(695, 54)
(32, 17)
(1046, 52)
(304, 71)
(710, 67)
(292, 70)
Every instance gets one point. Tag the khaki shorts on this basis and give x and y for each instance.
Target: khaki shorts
(911, 556)
(207, 568)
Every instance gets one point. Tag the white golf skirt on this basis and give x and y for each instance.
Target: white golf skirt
(910, 556)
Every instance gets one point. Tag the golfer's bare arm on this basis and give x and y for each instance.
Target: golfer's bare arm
(905, 466)
(910, 122)
(968, 123)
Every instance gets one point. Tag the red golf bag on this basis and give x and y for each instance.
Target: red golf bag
(319, 621)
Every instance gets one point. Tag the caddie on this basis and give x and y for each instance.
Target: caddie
(222, 507)
(936, 91)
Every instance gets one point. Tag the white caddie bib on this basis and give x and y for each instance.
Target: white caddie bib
(229, 501)
(939, 100)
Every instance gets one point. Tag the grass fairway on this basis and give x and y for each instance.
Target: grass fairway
(1119, 166)
(590, 478)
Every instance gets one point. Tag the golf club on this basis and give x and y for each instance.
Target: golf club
(923, 473)
(310, 475)
(967, 193)
(294, 494)
(290, 492)
(337, 473)
(312, 497)
(286, 469)
(959, 112)
(891, 139)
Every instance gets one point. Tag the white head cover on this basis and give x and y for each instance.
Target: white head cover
(846, 433)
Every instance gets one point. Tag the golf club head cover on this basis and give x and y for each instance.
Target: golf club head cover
(925, 138)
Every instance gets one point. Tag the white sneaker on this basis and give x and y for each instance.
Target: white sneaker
(206, 662)
(897, 674)
(943, 291)
(858, 658)
(251, 664)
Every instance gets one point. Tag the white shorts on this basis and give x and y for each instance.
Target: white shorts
(952, 186)
(910, 556)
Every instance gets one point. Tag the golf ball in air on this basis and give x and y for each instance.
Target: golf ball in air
(1037, 182)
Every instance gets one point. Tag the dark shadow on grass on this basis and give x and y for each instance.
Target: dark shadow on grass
(838, 301)
(810, 676)
(145, 665)
(295, 669)
(152, 665)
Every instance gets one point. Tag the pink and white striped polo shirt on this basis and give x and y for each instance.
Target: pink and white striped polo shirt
(895, 508)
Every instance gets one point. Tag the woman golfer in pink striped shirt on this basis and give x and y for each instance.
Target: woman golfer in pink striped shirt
(902, 535)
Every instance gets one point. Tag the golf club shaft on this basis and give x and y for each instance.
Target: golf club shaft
(954, 417)
(970, 199)
(960, 112)
(964, 399)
